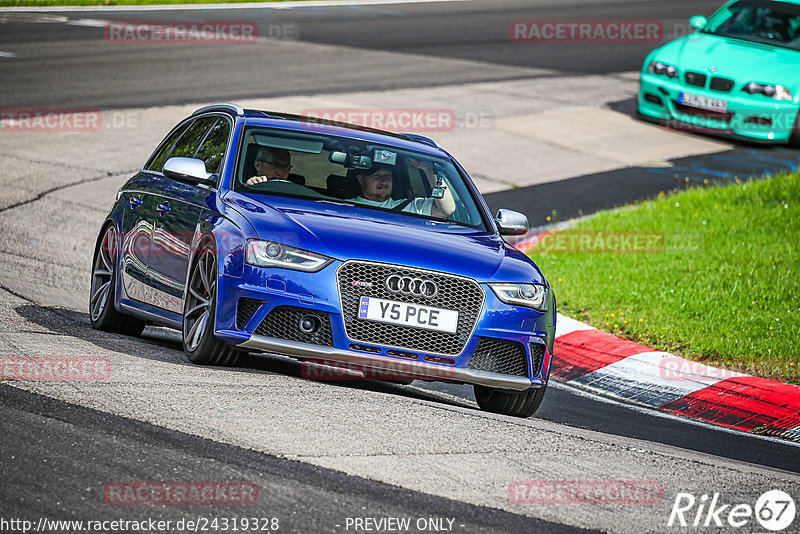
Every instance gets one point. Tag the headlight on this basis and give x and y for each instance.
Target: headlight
(778, 92)
(529, 295)
(656, 67)
(272, 254)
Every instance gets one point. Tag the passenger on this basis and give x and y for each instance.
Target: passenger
(376, 190)
(271, 164)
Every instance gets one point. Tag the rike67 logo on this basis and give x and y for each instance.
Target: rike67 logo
(774, 510)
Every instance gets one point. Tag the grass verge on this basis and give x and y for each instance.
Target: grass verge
(714, 277)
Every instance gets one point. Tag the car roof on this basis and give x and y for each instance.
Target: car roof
(301, 123)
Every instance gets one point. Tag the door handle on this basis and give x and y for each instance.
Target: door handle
(135, 202)
(163, 208)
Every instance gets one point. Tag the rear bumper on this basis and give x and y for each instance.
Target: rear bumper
(382, 364)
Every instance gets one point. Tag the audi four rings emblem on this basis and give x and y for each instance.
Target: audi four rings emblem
(406, 285)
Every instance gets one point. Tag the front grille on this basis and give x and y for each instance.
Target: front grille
(454, 293)
(537, 357)
(721, 84)
(704, 113)
(695, 78)
(245, 310)
(499, 356)
(283, 323)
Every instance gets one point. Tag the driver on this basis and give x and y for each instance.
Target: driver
(376, 190)
(271, 164)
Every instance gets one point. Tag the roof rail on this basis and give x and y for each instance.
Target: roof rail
(236, 109)
(421, 139)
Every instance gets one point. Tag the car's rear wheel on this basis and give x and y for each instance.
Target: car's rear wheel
(102, 313)
(517, 404)
(199, 314)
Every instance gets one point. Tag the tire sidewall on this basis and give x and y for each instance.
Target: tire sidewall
(207, 338)
(106, 316)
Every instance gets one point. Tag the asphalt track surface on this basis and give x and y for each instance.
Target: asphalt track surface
(62, 452)
(91, 72)
(58, 456)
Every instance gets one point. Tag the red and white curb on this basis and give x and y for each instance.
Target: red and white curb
(606, 364)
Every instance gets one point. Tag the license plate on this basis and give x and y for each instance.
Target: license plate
(703, 102)
(407, 314)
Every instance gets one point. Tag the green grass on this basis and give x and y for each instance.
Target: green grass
(724, 289)
(30, 3)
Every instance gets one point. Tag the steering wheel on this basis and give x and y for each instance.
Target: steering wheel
(273, 180)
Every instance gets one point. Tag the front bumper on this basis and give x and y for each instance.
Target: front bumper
(752, 117)
(387, 365)
(271, 289)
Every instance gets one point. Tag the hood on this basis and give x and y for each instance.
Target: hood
(346, 232)
(740, 60)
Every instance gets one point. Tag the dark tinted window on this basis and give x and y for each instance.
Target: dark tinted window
(158, 159)
(776, 23)
(188, 144)
(213, 148)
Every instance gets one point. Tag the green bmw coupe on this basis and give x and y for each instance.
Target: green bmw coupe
(737, 75)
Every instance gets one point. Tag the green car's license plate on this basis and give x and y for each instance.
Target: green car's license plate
(703, 102)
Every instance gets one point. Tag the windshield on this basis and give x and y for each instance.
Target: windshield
(327, 168)
(760, 21)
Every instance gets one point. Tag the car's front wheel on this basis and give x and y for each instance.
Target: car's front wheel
(102, 313)
(514, 403)
(199, 313)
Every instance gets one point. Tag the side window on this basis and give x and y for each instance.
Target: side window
(213, 148)
(192, 138)
(158, 159)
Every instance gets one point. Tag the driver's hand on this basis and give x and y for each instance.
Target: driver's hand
(256, 180)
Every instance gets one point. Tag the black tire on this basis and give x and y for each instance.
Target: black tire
(516, 404)
(102, 313)
(199, 313)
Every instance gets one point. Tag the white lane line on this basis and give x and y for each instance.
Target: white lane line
(8, 54)
(91, 23)
(204, 7)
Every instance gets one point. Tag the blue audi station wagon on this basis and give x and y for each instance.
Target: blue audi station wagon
(262, 232)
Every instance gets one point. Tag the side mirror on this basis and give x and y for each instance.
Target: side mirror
(511, 222)
(187, 170)
(697, 22)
